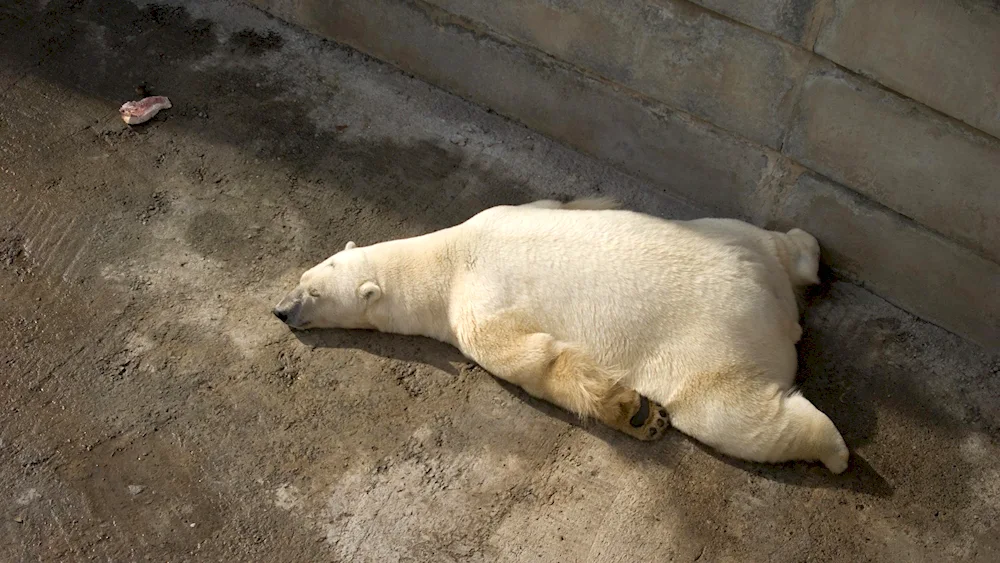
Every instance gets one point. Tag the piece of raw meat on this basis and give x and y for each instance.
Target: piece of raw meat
(143, 110)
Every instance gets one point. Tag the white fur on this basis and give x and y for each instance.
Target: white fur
(699, 316)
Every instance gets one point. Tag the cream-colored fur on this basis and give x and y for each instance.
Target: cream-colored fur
(588, 307)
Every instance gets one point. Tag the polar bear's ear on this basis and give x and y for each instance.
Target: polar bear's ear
(369, 291)
(350, 245)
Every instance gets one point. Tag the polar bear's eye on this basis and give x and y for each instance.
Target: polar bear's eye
(313, 292)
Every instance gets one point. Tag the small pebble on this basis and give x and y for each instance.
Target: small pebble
(191, 524)
(19, 520)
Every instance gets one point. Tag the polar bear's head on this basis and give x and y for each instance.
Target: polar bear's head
(334, 294)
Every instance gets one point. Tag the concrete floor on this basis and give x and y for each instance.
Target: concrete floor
(152, 409)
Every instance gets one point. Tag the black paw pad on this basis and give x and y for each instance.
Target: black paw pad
(639, 418)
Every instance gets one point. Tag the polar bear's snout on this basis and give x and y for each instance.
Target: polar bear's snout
(289, 309)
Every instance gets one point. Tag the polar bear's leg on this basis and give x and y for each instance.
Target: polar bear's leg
(756, 421)
(562, 374)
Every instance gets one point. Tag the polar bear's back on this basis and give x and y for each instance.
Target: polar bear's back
(645, 293)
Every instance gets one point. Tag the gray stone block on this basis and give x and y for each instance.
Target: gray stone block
(944, 53)
(673, 52)
(915, 269)
(691, 158)
(927, 167)
(796, 21)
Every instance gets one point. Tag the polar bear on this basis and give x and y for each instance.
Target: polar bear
(631, 319)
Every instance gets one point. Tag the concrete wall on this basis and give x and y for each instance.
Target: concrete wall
(873, 125)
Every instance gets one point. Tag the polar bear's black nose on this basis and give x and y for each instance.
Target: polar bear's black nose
(282, 315)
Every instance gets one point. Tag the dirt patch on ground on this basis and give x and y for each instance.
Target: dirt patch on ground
(11, 248)
(255, 44)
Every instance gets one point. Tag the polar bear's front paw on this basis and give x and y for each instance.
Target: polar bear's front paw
(641, 418)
